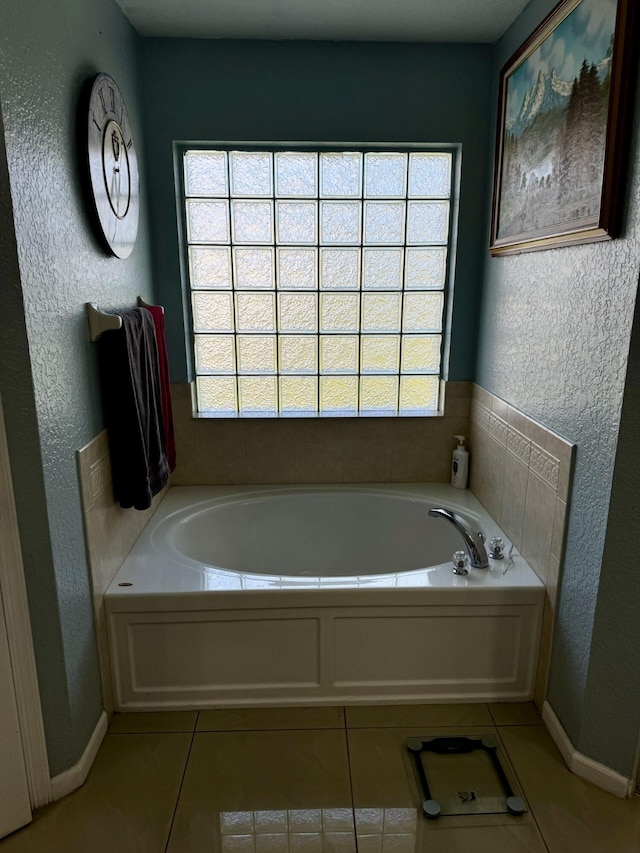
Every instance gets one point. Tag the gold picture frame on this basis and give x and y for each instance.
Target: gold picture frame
(562, 129)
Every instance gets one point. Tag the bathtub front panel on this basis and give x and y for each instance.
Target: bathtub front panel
(323, 655)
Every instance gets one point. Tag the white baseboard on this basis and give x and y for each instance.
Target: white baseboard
(583, 766)
(66, 782)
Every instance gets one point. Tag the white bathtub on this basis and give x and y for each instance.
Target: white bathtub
(308, 595)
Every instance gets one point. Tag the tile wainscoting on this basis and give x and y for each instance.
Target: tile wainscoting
(521, 472)
(317, 450)
(110, 532)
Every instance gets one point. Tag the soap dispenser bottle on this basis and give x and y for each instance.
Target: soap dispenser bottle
(460, 465)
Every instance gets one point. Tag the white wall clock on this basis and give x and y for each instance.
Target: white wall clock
(113, 166)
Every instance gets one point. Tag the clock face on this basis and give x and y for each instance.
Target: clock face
(113, 166)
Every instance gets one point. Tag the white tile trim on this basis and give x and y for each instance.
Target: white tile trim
(67, 781)
(583, 766)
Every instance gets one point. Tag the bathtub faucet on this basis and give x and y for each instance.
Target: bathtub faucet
(473, 540)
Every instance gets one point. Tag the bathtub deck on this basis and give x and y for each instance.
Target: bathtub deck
(190, 636)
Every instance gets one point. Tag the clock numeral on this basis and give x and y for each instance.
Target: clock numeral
(130, 143)
(97, 124)
(112, 96)
(104, 106)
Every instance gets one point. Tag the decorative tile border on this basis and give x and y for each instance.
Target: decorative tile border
(498, 429)
(100, 475)
(519, 445)
(546, 466)
(536, 458)
(480, 415)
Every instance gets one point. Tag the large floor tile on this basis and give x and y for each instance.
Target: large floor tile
(398, 716)
(388, 802)
(139, 723)
(473, 838)
(572, 814)
(269, 791)
(126, 804)
(268, 719)
(515, 714)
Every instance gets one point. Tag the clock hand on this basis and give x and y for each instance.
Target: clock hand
(119, 189)
(115, 199)
(115, 147)
(114, 192)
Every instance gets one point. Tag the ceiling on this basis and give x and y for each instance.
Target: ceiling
(332, 20)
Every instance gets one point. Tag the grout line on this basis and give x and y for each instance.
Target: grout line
(184, 773)
(522, 788)
(276, 729)
(493, 719)
(155, 732)
(353, 807)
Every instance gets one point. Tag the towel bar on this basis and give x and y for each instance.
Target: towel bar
(143, 304)
(101, 321)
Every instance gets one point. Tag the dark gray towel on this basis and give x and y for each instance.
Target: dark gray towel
(133, 409)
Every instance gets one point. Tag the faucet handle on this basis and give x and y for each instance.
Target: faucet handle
(460, 562)
(496, 548)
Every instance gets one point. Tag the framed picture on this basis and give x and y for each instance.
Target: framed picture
(562, 128)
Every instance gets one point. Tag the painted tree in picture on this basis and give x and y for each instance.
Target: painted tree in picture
(555, 124)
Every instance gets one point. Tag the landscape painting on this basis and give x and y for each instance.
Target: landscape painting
(554, 130)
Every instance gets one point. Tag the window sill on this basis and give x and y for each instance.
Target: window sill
(313, 415)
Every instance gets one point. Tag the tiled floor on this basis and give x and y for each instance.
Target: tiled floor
(318, 780)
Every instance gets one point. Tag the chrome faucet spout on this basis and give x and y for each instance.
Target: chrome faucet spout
(473, 540)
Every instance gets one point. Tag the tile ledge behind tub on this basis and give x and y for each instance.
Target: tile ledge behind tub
(261, 451)
(521, 472)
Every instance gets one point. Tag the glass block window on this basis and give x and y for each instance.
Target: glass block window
(317, 280)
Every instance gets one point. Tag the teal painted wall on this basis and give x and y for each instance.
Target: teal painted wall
(52, 263)
(198, 90)
(554, 341)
